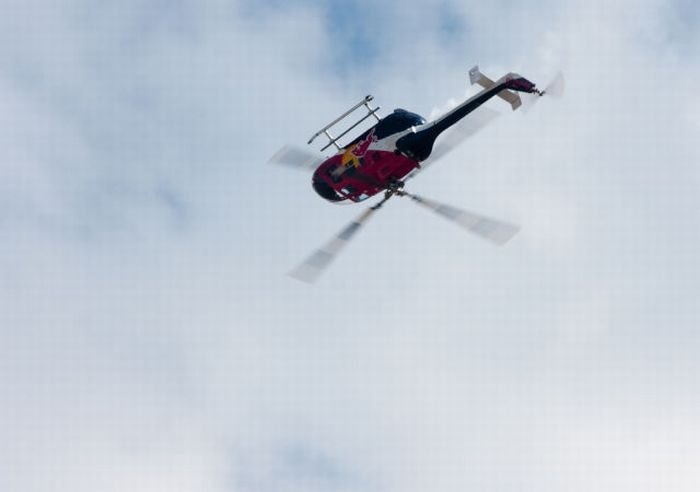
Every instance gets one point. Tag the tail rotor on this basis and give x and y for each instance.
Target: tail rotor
(554, 89)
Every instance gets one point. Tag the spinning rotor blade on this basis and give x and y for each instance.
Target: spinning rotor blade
(309, 270)
(555, 89)
(556, 86)
(296, 157)
(458, 134)
(490, 229)
(461, 131)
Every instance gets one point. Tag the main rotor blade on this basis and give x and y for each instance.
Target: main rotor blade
(466, 128)
(296, 157)
(309, 270)
(451, 139)
(490, 229)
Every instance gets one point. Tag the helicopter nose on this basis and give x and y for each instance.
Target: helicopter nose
(324, 190)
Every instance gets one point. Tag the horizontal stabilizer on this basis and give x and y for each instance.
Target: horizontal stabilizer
(476, 77)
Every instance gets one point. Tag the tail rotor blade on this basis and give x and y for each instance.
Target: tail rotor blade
(490, 229)
(554, 89)
(310, 269)
(295, 157)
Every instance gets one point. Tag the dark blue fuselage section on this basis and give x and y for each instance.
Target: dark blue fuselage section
(398, 121)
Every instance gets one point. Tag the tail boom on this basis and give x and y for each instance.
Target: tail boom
(419, 145)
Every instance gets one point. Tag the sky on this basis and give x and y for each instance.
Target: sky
(151, 340)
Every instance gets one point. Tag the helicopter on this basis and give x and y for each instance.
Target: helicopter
(395, 149)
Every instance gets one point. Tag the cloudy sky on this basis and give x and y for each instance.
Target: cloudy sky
(150, 339)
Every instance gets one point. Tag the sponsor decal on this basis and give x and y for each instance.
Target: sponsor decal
(354, 155)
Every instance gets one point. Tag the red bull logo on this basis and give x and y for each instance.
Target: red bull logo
(355, 154)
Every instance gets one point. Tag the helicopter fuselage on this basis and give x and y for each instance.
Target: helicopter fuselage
(370, 163)
(383, 155)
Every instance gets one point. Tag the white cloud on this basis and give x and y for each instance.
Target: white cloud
(149, 339)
